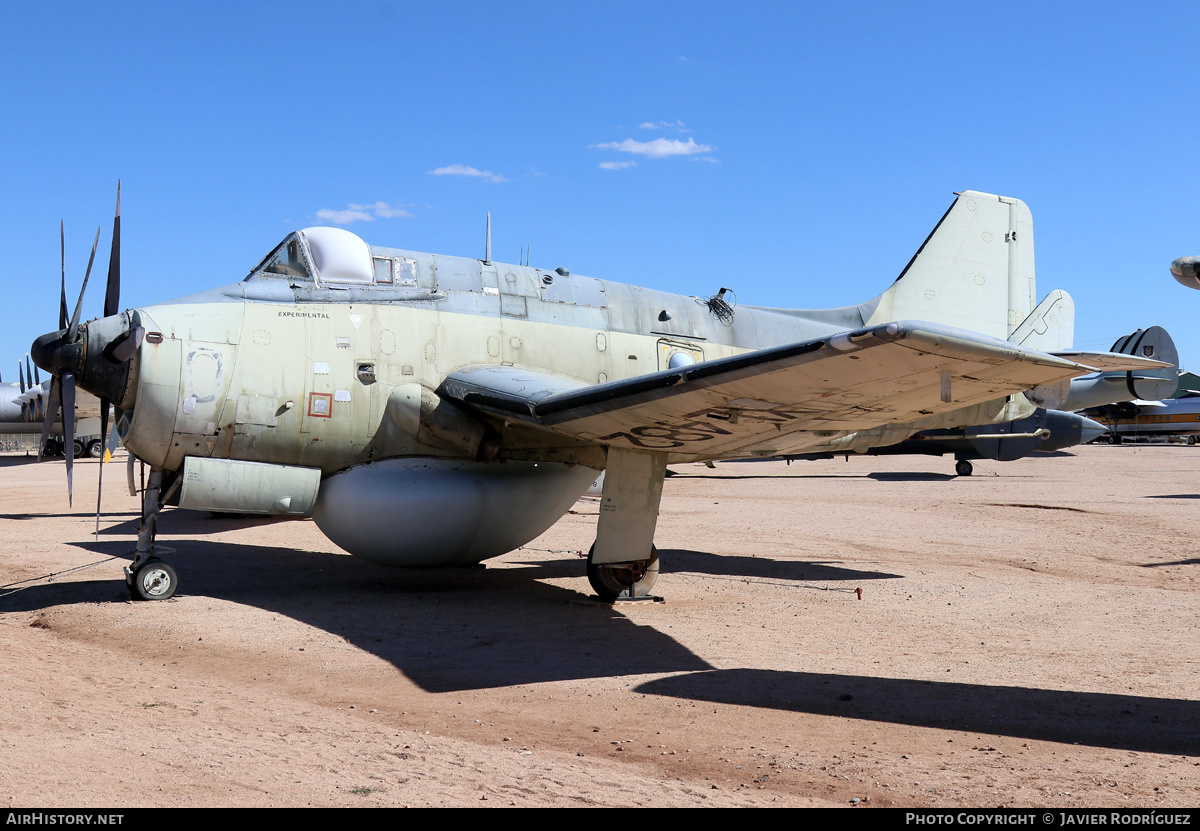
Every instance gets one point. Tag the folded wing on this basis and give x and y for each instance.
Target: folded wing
(893, 373)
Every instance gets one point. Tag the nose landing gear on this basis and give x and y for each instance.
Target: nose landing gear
(153, 580)
(148, 577)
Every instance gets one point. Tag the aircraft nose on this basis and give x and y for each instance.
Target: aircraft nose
(1091, 430)
(1184, 269)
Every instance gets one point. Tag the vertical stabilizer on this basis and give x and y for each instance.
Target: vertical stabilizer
(1140, 385)
(975, 271)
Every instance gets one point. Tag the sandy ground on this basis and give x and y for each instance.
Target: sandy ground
(1026, 637)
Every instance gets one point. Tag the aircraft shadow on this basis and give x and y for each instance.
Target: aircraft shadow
(445, 629)
(912, 476)
(1123, 722)
(10, 461)
(701, 562)
(681, 561)
(734, 476)
(104, 517)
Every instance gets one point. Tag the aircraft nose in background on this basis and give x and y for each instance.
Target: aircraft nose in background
(1184, 269)
(1091, 430)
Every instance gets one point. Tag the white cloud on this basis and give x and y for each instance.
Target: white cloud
(467, 170)
(343, 217)
(665, 125)
(616, 165)
(382, 210)
(660, 148)
(361, 213)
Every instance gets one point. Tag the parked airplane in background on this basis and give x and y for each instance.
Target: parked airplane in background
(1043, 432)
(23, 411)
(1187, 271)
(437, 411)
(1144, 419)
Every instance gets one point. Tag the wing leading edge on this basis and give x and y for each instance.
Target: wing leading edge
(892, 373)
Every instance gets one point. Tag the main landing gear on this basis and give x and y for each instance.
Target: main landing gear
(148, 577)
(623, 562)
(964, 468)
(623, 581)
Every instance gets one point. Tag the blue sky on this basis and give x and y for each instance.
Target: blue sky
(796, 152)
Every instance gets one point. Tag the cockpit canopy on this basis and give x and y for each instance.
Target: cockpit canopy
(320, 254)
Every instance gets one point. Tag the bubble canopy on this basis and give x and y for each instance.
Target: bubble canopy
(320, 254)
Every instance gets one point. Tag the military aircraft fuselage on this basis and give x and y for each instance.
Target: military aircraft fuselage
(279, 371)
(323, 383)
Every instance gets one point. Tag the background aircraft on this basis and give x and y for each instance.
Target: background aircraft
(1043, 432)
(433, 411)
(22, 414)
(1187, 271)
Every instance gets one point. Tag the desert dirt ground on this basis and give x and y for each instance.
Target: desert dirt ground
(1027, 636)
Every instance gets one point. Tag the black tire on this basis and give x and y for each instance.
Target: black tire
(964, 468)
(52, 448)
(608, 582)
(95, 448)
(78, 449)
(154, 580)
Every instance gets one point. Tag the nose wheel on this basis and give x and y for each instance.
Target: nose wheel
(152, 580)
(964, 468)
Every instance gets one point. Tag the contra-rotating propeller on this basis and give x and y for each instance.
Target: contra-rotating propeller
(95, 356)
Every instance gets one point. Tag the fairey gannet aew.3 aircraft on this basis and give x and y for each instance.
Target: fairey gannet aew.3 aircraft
(437, 411)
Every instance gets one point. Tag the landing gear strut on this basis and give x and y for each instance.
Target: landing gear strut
(633, 485)
(623, 581)
(148, 577)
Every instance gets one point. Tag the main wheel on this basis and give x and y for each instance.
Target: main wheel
(51, 448)
(95, 448)
(155, 580)
(78, 449)
(964, 468)
(609, 582)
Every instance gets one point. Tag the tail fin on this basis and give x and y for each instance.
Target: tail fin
(975, 271)
(1143, 384)
(1156, 343)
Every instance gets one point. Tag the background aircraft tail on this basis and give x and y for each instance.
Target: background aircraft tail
(975, 271)
(1144, 384)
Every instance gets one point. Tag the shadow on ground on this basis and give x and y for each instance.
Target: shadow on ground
(1124, 722)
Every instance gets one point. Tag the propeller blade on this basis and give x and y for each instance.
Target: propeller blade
(20, 376)
(28, 374)
(62, 303)
(112, 294)
(114, 436)
(103, 430)
(68, 420)
(37, 376)
(51, 411)
(73, 329)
